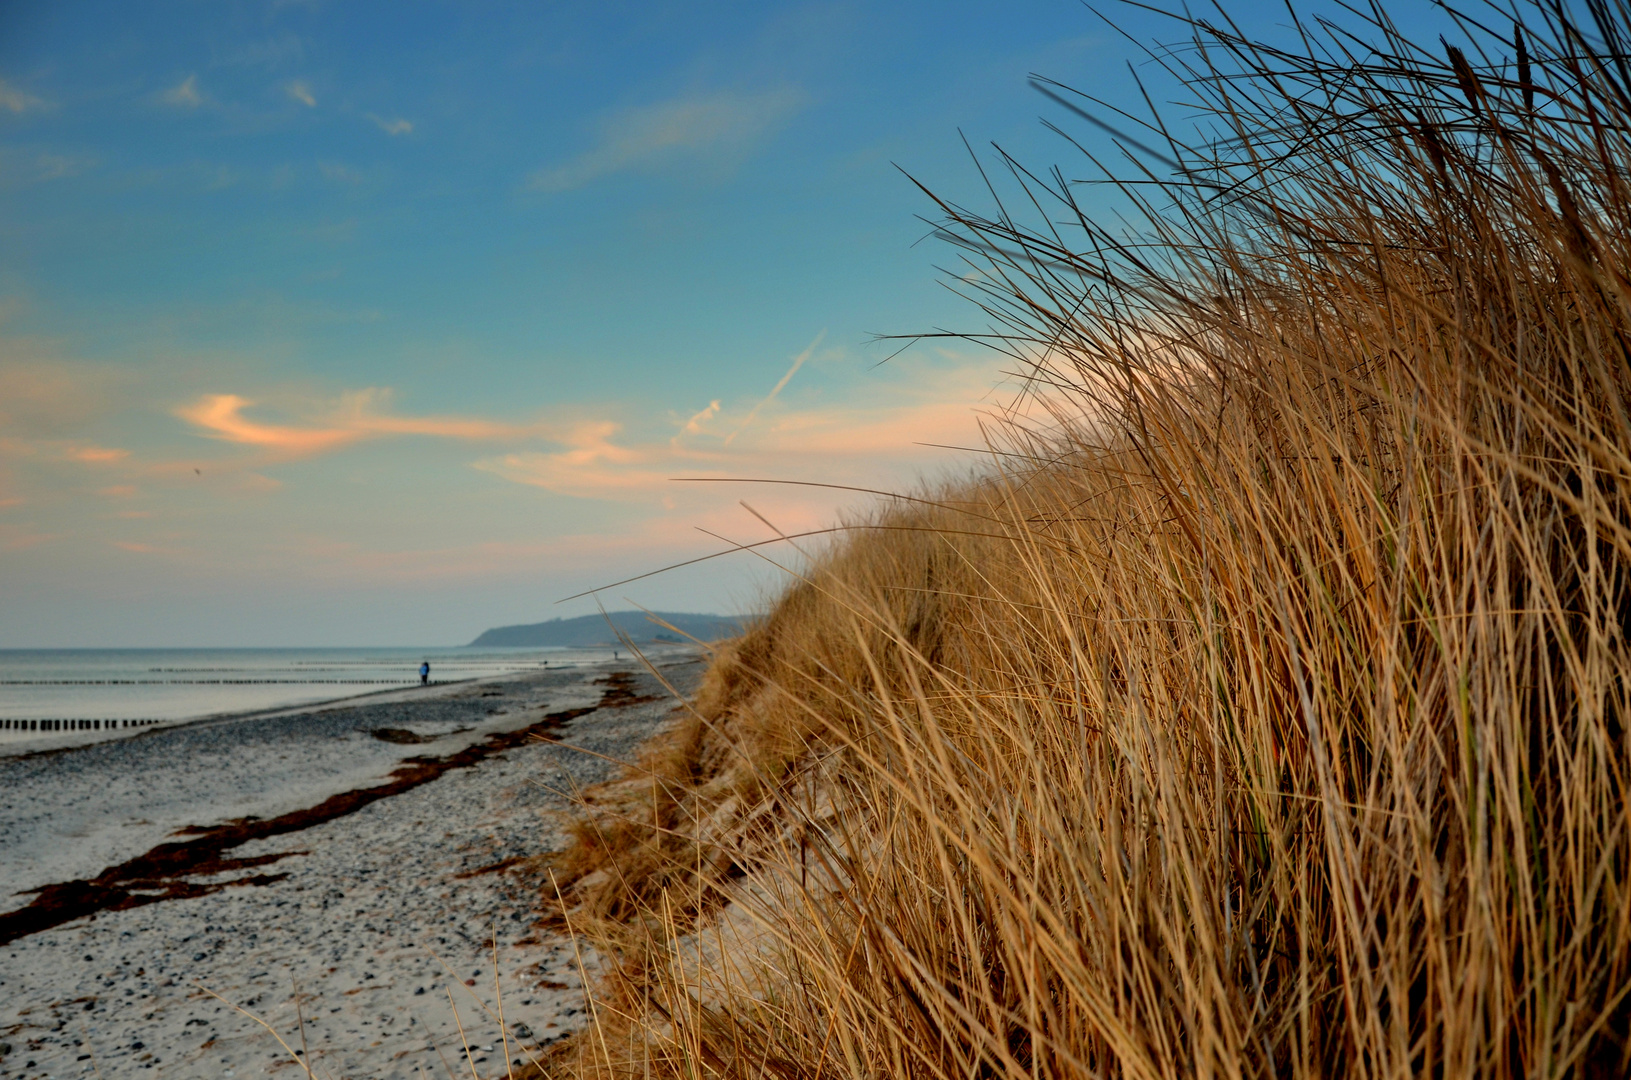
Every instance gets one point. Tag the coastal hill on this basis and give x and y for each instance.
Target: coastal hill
(598, 629)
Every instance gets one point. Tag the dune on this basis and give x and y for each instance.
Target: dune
(1261, 709)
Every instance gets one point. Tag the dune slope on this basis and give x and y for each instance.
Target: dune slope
(1261, 709)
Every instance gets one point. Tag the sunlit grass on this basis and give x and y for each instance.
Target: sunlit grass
(1262, 710)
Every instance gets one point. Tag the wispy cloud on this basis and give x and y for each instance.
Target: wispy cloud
(859, 443)
(798, 362)
(45, 395)
(184, 94)
(338, 173)
(699, 421)
(358, 416)
(61, 166)
(810, 421)
(98, 455)
(17, 101)
(19, 537)
(640, 137)
(591, 465)
(300, 90)
(286, 50)
(397, 126)
(221, 417)
(22, 167)
(575, 554)
(145, 549)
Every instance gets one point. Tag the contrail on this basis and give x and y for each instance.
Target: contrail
(798, 362)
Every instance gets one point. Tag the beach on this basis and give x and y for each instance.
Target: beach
(334, 872)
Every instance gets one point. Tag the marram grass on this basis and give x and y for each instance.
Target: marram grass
(1261, 710)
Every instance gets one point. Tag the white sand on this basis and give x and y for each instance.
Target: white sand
(371, 909)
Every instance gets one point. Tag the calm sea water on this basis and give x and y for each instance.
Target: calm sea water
(181, 684)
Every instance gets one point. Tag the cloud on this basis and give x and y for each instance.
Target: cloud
(576, 555)
(300, 91)
(19, 537)
(592, 466)
(61, 166)
(398, 126)
(698, 422)
(336, 173)
(98, 455)
(22, 167)
(184, 94)
(16, 101)
(45, 395)
(143, 549)
(798, 362)
(357, 416)
(645, 135)
(220, 415)
(863, 444)
(361, 411)
(268, 54)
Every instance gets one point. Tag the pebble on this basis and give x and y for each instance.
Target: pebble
(384, 916)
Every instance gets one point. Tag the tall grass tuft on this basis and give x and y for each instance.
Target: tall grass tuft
(1262, 709)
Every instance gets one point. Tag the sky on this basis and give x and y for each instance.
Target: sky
(371, 323)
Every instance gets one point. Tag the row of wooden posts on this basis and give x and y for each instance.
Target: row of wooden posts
(72, 725)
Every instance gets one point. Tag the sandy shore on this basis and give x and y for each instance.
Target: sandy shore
(251, 856)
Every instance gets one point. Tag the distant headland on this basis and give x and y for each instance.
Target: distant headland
(638, 626)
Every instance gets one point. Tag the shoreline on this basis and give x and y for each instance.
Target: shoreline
(58, 801)
(68, 741)
(23, 743)
(165, 867)
(371, 891)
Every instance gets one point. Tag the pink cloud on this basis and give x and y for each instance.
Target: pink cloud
(582, 554)
(858, 445)
(19, 537)
(592, 466)
(97, 455)
(840, 433)
(220, 415)
(255, 483)
(358, 416)
(140, 547)
(44, 395)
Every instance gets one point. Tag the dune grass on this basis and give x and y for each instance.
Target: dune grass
(1261, 708)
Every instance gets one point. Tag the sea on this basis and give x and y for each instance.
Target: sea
(57, 690)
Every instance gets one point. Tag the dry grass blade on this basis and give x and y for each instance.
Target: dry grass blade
(296, 1058)
(1274, 720)
(464, 1040)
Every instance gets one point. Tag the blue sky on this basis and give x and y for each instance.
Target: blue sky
(382, 323)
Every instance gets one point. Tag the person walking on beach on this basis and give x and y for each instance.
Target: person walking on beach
(424, 672)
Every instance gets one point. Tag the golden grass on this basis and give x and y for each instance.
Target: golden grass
(1263, 712)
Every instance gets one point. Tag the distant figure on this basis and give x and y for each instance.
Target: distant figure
(424, 673)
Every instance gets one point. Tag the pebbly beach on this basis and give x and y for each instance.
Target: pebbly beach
(350, 885)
